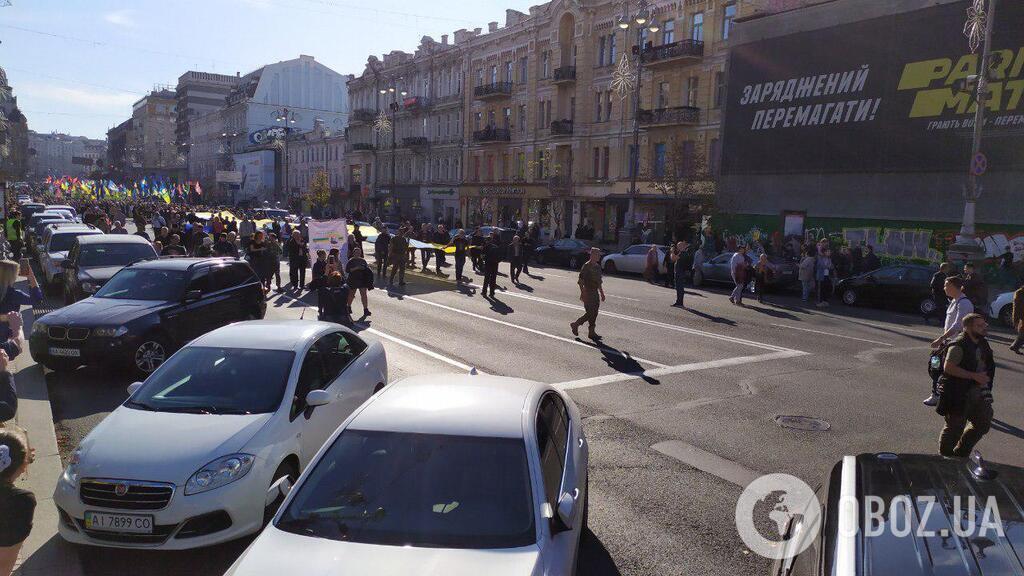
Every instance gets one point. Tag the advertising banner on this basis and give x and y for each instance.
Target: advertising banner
(327, 234)
(257, 170)
(879, 95)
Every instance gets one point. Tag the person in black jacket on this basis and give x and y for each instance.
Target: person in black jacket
(965, 389)
(319, 270)
(939, 292)
(492, 257)
(380, 250)
(332, 300)
(298, 260)
(476, 251)
(461, 245)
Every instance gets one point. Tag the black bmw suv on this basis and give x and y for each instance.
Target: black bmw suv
(146, 311)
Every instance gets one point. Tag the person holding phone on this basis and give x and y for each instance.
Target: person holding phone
(11, 298)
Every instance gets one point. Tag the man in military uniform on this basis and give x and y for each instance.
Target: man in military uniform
(965, 389)
(591, 294)
(398, 250)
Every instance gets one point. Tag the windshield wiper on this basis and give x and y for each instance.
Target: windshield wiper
(139, 405)
(192, 409)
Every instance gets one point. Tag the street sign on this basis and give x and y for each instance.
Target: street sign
(229, 176)
(979, 164)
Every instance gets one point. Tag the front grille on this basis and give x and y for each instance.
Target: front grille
(65, 333)
(159, 535)
(78, 334)
(138, 496)
(57, 333)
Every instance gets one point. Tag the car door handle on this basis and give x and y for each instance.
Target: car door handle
(580, 442)
(575, 493)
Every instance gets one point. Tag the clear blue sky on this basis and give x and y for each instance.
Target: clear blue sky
(76, 66)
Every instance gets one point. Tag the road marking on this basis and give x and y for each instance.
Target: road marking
(708, 462)
(831, 334)
(674, 327)
(670, 370)
(623, 298)
(420, 349)
(893, 327)
(537, 332)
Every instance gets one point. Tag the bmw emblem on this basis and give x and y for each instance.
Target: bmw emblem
(121, 490)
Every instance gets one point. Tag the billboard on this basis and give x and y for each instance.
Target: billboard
(877, 95)
(257, 170)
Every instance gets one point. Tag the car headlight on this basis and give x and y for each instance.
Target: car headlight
(39, 328)
(71, 472)
(112, 332)
(220, 472)
(88, 287)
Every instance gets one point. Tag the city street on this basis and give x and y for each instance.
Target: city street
(681, 407)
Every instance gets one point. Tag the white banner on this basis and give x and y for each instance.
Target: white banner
(327, 234)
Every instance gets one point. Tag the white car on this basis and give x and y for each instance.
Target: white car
(55, 244)
(438, 475)
(1002, 308)
(205, 449)
(633, 259)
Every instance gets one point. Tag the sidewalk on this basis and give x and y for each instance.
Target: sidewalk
(44, 552)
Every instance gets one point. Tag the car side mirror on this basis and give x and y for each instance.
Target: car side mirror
(318, 398)
(565, 513)
(67, 264)
(133, 388)
(193, 295)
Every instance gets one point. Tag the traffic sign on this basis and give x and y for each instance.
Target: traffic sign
(979, 164)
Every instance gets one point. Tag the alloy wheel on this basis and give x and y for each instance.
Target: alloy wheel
(150, 355)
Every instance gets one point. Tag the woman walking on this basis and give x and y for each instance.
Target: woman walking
(360, 278)
(651, 264)
(762, 273)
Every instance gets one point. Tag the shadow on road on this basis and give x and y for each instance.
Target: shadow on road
(773, 312)
(1005, 428)
(212, 561)
(624, 362)
(595, 560)
(713, 318)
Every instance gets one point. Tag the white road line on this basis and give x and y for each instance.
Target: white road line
(705, 461)
(623, 298)
(676, 328)
(420, 349)
(693, 367)
(537, 332)
(831, 334)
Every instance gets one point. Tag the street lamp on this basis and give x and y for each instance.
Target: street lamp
(383, 125)
(228, 160)
(286, 118)
(626, 80)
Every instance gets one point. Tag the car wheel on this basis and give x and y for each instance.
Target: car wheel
(1006, 315)
(285, 469)
(850, 297)
(927, 306)
(610, 268)
(698, 278)
(541, 259)
(573, 263)
(151, 352)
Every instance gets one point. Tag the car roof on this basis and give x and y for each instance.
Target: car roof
(83, 229)
(113, 239)
(462, 405)
(179, 263)
(266, 334)
(919, 477)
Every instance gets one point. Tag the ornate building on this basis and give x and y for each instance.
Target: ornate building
(13, 135)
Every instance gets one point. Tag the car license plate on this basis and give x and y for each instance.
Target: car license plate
(66, 352)
(106, 522)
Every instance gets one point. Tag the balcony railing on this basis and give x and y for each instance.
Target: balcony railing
(492, 135)
(358, 146)
(415, 141)
(494, 90)
(670, 116)
(565, 74)
(561, 127)
(673, 51)
(363, 115)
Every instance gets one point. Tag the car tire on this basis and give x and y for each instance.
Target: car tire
(698, 278)
(573, 263)
(285, 469)
(610, 268)
(1006, 315)
(152, 351)
(850, 297)
(541, 259)
(927, 306)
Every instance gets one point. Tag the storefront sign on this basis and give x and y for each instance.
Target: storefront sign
(502, 191)
(441, 192)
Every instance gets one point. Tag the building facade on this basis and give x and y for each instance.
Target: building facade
(58, 154)
(312, 152)
(197, 94)
(153, 124)
(13, 135)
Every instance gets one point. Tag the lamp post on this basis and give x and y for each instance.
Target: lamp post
(978, 30)
(383, 125)
(228, 160)
(641, 20)
(286, 118)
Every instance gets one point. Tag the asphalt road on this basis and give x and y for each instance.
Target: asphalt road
(679, 405)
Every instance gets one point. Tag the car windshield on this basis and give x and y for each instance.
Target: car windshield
(217, 381)
(64, 242)
(141, 284)
(95, 255)
(405, 489)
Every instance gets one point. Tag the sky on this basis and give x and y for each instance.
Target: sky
(77, 66)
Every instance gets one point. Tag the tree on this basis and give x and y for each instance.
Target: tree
(687, 178)
(319, 193)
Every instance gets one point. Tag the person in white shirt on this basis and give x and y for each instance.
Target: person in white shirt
(959, 307)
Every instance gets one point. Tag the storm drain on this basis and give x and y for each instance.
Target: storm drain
(805, 423)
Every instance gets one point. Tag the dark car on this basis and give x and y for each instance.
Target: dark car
(905, 286)
(909, 515)
(718, 270)
(93, 260)
(569, 252)
(146, 311)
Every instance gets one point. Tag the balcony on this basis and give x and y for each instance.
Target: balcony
(361, 146)
(682, 115)
(493, 91)
(449, 100)
(363, 115)
(415, 142)
(416, 104)
(561, 127)
(565, 75)
(492, 135)
(676, 52)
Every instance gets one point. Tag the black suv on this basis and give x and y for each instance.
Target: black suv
(93, 260)
(146, 311)
(922, 539)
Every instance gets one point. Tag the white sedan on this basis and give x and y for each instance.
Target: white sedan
(633, 260)
(438, 475)
(1002, 308)
(204, 451)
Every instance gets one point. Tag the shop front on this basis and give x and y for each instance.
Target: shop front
(440, 204)
(400, 202)
(507, 206)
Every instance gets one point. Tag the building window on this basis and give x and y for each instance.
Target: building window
(692, 87)
(601, 50)
(611, 50)
(494, 74)
(480, 77)
(508, 71)
(597, 163)
(598, 105)
(631, 161)
(523, 70)
(608, 106)
(521, 165)
(508, 118)
(541, 171)
(607, 161)
(663, 88)
(668, 34)
(490, 119)
(476, 168)
(545, 70)
(697, 28)
(728, 15)
(719, 89)
(522, 118)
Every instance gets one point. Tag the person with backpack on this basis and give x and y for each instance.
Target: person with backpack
(965, 389)
(960, 307)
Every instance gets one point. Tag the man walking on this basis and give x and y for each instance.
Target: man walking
(461, 245)
(679, 269)
(938, 284)
(591, 294)
(397, 255)
(492, 257)
(380, 250)
(1017, 320)
(739, 266)
(959, 308)
(965, 389)
(975, 288)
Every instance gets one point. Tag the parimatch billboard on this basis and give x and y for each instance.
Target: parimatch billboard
(875, 96)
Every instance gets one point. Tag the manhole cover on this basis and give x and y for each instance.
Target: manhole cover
(803, 423)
